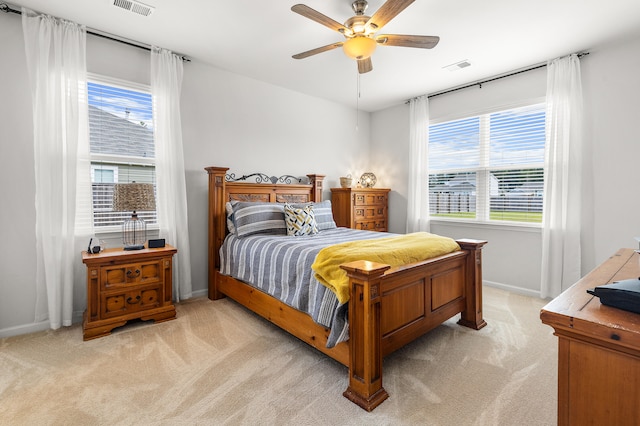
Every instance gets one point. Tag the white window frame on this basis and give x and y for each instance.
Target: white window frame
(115, 159)
(483, 170)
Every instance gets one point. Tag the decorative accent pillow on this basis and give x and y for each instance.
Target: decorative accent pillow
(300, 221)
(258, 218)
(229, 208)
(323, 214)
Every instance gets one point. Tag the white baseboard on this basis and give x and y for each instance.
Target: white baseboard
(512, 289)
(198, 293)
(24, 329)
(77, 316)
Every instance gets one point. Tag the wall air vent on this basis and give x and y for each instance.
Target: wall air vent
(134, 6)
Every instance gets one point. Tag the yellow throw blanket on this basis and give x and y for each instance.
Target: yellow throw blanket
(394, 251)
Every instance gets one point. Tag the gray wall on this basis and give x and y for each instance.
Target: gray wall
(512, 259)
(228, 120)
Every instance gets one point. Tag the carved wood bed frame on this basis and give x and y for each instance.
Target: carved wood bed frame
(388, 307)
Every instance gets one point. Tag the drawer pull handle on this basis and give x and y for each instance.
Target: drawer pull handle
(130, 273)
(131, 301)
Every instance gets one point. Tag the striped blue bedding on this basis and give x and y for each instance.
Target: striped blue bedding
(281, 266)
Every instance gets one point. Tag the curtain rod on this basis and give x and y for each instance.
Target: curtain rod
(480, 83)
(7, 9)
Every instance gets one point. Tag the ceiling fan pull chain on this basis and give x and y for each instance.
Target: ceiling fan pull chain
(357, 100)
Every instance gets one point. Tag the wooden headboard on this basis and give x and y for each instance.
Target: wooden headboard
(221, 191)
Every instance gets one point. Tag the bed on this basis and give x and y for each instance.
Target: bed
(388, 306)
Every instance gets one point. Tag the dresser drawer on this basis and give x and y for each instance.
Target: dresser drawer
(362, 199)
(118, 276)
(369, 212)
(361, 208)
(372, 225)
(115, 304)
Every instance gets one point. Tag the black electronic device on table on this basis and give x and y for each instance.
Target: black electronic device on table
(623, 294)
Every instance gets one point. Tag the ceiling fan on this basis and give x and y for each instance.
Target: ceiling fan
(360, 32)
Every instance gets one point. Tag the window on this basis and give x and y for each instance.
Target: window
(121, 144)
(489, 167)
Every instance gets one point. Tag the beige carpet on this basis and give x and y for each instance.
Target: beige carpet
(220, 364)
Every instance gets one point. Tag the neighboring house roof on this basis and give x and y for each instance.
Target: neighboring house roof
(461, 184)
(110, 134)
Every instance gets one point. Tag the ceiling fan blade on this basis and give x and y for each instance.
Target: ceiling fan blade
(314, 15)
(364, 65)
(317, 50)
(423, 42)
(388, 11)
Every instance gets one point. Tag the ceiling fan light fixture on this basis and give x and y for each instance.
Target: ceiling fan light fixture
(359, 47)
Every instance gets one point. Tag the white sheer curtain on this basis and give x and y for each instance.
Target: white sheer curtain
(166, 82)
(563, 167)
(55, 51)
(418, 188)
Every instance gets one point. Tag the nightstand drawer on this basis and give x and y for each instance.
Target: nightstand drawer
(131, 274)
(123, 303)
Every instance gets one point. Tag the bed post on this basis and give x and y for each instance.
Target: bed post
(316, 192)
(472, 315)
(365, 350)
(216, 225)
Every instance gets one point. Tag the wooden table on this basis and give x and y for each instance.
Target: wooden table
(598, 349)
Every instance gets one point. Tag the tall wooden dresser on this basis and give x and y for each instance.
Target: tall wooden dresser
(598, 349)
(361, 208)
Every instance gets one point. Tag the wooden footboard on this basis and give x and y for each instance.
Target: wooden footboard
(388, 307)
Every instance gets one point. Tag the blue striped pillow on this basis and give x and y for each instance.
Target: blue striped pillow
(259, 218)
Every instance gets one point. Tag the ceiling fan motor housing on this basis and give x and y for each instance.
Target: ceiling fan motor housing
(357, 25)
(359, 6)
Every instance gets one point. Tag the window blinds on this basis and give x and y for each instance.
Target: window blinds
(122, 147)
(489, 167)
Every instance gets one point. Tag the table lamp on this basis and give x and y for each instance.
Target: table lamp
(134, 197)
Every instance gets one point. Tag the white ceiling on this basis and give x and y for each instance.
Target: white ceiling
(256, 38)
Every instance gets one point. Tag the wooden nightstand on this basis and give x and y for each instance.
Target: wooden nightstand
(360, 208)
(125, 285)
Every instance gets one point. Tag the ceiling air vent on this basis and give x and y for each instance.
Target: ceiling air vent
(134, 6)
(458, 65)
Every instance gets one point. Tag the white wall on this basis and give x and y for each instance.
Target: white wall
(228, 120)
(232, 121)
(611, 83)
(17, 203)
(512, 259)
(513, 246)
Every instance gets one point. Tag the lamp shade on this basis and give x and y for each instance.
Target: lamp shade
(129, 197)
(359, 47)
